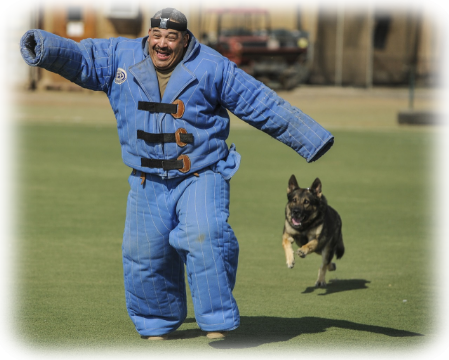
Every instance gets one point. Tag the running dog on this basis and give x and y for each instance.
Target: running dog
(313, 225)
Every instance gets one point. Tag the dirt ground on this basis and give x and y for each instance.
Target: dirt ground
(331, 106)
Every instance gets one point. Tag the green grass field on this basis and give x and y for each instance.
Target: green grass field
(72, 198)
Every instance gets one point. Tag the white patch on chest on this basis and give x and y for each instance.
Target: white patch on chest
(314, 233)
(289, 229)
(121, 76)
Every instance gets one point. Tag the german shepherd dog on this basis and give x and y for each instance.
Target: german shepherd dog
(313, 225)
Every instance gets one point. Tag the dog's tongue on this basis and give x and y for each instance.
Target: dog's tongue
(296, 222)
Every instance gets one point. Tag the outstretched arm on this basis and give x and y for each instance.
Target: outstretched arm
(261, 107)
(87, 63)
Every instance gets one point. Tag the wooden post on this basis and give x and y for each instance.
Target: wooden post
(370, 50)
(339, 43)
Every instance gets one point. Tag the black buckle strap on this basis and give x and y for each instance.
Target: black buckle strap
(165, 23)
(163, 138)
(162, 164)
(157, 107)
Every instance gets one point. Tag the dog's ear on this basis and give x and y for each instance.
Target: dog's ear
(292, 184)
(316, 187)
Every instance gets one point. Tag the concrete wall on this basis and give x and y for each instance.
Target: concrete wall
(418, 38)
(403, 38)
(433, 59)
(443, 65)
(392, 64)
(282, 14)
(354, 49)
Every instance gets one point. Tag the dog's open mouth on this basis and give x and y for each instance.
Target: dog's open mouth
(297, 220)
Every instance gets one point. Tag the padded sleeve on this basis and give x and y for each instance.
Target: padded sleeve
(87, 63)
(259, 106)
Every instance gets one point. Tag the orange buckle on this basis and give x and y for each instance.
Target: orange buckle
(181, 109)
(186, 161)
(178, 136)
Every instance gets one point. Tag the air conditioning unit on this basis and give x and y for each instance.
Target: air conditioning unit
(121, 9)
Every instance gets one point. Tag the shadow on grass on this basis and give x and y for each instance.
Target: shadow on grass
(188, 333)
(259, 330)
(334, 286)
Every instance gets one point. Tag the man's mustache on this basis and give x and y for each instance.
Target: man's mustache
(164, 49)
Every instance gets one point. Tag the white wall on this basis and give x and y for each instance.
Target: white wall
(15, 19)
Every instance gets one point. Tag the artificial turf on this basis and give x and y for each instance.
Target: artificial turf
(70, 219)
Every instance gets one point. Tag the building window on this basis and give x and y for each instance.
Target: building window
(74, 13)
(382, 23)
(75, 23)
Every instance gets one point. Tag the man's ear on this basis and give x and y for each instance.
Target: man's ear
(186, 39)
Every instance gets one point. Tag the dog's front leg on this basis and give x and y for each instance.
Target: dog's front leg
(287, 242)
(307, 248)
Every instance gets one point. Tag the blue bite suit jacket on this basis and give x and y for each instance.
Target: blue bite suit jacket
(205, 81)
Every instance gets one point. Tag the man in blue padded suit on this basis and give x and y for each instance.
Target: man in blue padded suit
(169, 94)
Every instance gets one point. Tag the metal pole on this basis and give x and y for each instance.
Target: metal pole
(370, 50)
(312, 31)
(414, 62)
(434, 42)
(339, 46)
(411, 87)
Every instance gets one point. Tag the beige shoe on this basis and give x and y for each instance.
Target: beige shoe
(216, 335)
(163, 337)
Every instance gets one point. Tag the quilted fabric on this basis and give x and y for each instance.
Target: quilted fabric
(207, 83)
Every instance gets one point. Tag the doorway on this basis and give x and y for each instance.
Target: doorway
(74, 19)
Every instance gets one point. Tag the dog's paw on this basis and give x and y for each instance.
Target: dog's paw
(301, 253)
(291, 265)
(332, 267)
(320, 284)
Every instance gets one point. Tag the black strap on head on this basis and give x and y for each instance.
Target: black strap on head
(165, 23)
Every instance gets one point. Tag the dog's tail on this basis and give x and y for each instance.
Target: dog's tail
(340, 248)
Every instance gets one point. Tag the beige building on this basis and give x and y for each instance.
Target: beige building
(346, 47)
(78, 19)
(131, 18)
(376, 47)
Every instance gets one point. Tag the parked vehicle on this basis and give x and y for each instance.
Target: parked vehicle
(277, 57)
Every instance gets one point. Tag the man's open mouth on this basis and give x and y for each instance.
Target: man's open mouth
(162, 55)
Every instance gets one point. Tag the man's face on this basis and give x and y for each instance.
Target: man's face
(166, 47)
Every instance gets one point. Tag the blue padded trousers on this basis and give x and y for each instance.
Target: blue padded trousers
(171, 223)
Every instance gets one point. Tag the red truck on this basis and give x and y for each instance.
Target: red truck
(277, 57)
